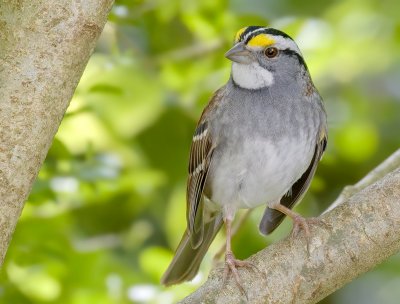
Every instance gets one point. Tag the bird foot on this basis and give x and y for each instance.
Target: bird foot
(231, 266)
(301, 223)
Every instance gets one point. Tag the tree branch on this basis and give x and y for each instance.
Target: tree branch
(391, 163)
(359, 234)
(45, 46)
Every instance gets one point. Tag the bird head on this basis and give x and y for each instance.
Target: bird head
(262, 56)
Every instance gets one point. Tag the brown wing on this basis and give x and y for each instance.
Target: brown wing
(272, 218)
(203, 224)
(201, 153)
(199, 161)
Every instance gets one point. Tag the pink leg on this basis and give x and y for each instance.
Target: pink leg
(299, 222)
(231, 263)
(235, 229)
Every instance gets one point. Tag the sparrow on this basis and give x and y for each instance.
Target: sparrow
(258, 141)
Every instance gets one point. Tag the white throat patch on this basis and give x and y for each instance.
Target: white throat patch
(251, 76)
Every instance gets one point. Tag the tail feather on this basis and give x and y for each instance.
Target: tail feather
(270, 220)
(187, 259)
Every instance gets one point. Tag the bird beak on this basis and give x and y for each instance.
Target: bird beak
(238, 53)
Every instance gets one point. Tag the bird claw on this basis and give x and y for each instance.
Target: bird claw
(231, 265)
(301, 223)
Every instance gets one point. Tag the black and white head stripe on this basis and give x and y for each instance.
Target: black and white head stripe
(261, 37)
(245, 34)
(258, 37)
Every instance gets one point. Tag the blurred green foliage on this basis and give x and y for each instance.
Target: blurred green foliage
(108, 207)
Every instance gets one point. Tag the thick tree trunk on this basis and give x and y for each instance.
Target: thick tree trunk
(44, 48)
(361, 232)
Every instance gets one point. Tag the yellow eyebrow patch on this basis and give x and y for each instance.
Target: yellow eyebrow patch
(239, 33)
(261, 40)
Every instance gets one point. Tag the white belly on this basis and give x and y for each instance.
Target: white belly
(258, 172)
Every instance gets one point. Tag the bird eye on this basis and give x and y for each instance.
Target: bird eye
(271, 52)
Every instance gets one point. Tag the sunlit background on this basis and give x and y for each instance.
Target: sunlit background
(108, 207)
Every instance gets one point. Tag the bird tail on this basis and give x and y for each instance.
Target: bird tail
(187, 259)
(270, 220)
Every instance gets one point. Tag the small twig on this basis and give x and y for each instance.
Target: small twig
(191, 51)
(391, 163)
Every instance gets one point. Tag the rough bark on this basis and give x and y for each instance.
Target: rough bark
(44, 48)
(361, 232)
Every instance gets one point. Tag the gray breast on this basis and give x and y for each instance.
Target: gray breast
(265, 141)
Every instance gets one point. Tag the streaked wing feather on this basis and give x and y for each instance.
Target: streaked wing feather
(200, 157)
(201, 153)
(203, 223)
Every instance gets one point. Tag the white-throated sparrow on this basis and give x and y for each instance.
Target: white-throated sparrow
(258, 141)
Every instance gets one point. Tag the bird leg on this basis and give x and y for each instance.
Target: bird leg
(231, 263)
(235, 229)
(299, 222)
